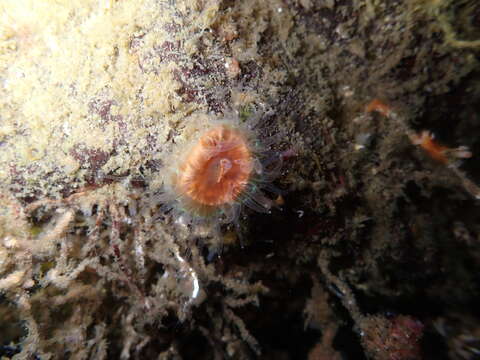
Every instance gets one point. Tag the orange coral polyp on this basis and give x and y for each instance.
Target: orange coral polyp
(217, 170)
(434, 149)
(378, 106)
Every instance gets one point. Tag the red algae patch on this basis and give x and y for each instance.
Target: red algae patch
(217, 169)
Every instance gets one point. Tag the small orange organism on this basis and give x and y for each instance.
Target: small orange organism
(443, 154)
(378, 106)
(216, 167)
(437, 151)
(425, 139)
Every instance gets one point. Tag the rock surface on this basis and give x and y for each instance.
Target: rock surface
(371, 232)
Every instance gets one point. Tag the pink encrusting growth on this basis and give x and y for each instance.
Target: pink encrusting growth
(397, 338)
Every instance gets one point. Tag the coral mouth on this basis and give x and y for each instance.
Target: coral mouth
(218, 168)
